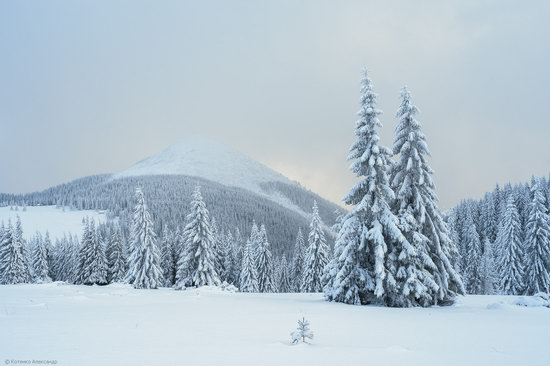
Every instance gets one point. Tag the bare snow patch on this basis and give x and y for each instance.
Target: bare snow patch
(56, 221)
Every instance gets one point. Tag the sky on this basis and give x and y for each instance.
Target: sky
(90, 87)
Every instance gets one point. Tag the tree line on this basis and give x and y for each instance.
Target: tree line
(198, 255)
(504, 239)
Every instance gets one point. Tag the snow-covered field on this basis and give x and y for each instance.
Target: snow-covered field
(49, 218)
(117, 325)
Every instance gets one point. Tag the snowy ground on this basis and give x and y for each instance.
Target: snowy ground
(117, 325)
(49, 218)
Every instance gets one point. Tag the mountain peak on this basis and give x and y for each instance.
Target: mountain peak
(209, 159)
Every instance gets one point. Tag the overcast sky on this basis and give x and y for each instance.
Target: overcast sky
(91, 87)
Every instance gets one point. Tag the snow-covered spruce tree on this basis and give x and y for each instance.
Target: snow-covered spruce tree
(116, 257)
(217, 243)
(59, 254)
(284, 283)
(302, 333)
(144, 262)
(197, 264)
(40, 261)
(537, 243)
(228, 257)
(92, 259)
(298, 262)
(72, 270)
(167, 258)
(14, 267)
(510, 262)
(249, 276)
(472, 270)
(488, 268)
(238, 248)
(316, 257)
(488, 218)
(455, 228)
(49, 253)
(346, 274)
(425, 275)
(264, 263)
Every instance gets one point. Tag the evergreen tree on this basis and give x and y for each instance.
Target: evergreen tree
(144, 262)
(472, 272)
(167, 258)
(298, 262)
(248, 276)
(197, 264)
(40, 262)
(302, 333)
(217, 245)
(316, 257)
(346, 275)
(537, 242)
(362, 271)
(425, 275)
(238, 248)
(264, 263)
(488, 268)
(14, 267)
(93, 263)
(116, 257)
(284, 283)
(510, 266)
(49, 253)
(228, 257)
(72, 260)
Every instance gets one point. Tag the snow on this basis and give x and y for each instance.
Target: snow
(200, 157)
(117, 325)
(49, 218)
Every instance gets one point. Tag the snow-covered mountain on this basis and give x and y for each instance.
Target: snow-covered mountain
(237, 190)
(208, 159)
(214, 161)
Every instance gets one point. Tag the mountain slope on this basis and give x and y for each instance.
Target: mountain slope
(236, 189)
(216, 162)
(203, 158)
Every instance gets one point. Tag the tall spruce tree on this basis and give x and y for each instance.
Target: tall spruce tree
(264, 263)
(238, 248)
(537, 243)
(298, 262)
(14, 267)
(197, 263)
(248, 278)
(40, 261)
(284, 282)
(362, 273)
(425, 274)
(167, 258)
(510, 265)
(473, 261)
(144, 262)
(116, 257)
(228, 257)
(317, 256)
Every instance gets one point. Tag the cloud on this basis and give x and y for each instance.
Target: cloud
(93, 87)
